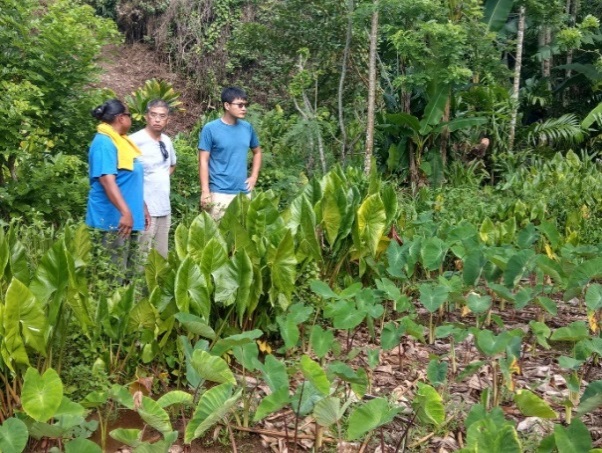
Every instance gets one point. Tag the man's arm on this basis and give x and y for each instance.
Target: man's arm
(255, 166)
(204, 177)
(172, 168)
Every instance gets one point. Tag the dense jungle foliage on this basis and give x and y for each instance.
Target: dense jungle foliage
(481, 207)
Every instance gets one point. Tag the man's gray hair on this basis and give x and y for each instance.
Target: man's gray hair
(158, 103)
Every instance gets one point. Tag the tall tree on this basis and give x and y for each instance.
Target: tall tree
(371, 89)
(517, 72)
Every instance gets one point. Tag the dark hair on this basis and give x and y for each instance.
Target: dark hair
(229, 94)
(108, 111)
(158, 103)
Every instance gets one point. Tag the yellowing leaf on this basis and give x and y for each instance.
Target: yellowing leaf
(264, 347)
(550, 252)
(465, 311)
(593, 322)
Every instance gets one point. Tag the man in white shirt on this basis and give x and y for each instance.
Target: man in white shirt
(159, 162)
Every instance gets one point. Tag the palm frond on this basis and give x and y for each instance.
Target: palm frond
(563, 130)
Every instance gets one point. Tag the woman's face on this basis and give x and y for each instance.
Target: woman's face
(123, 122)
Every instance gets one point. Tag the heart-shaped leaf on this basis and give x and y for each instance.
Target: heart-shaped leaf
(13, 436)
(41, 395)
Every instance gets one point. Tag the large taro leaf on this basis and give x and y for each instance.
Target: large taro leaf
(4, 253)
(181, 241)
(214, 405)
(213, 257)
(129, 437)
(195, 325)
(289, 323)
(328, 411)
(334, 207)
(13, 436)
(583, 273)
(24, 322)
(371, 223)
(489, 344)
(496, 13)
(51, 279)
(314, 373)
(532, 405)
(517, 266)
(591, 398)
(202, 229)
(473, 264)
(478, 303)
(237, 274)
(574, 332)
(433, 296)
(143, 317)
(41, 395)
(369, 416)
(191, 292)
(283, 270)
(574, 438)
(307, 238)
(225, 344)
(593, 296)
(428, 405)
(212, 368)
(264, 223)
(174, 397)
(154, 415)
(321, 340)
(488, 436)
(433, 253)
(274, 373)
(17, 262)
(81, 445)
(271, 403)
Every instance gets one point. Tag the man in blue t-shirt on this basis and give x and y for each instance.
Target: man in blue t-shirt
(223, 147)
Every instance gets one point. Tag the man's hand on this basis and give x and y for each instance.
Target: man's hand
(205, 200)
(147, 218)
(250, 182)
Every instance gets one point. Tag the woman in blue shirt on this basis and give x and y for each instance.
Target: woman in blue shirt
(116, 197)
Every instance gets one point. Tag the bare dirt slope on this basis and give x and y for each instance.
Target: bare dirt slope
(127, 66)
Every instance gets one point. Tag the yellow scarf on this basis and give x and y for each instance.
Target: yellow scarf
(127, 151)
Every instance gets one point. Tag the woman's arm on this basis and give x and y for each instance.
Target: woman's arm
(126, 222)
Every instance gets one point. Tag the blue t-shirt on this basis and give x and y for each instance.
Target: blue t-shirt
(101, 213)
(228, 146)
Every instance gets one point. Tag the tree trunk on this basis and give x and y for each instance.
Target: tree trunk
(445, 131)
(545, 38)
(371, 90)
(342, 80)
(517, 68)
(572, 7)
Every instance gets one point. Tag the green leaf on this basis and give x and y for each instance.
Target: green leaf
(490, 344)
(591, 398)
(213, 257)
(24, 323)
(574, 438)
(433, 253)
(371, 222)
(322, 290)
(369, 416)
(13, 436)
(437, 372)
(496, 13)
(274, 373)
(390, 336)
(212, 368)
(225, 344)
(328, 411)
(532, 405)
(129, 437)
(195, 325)
(282, 264)
(174, 397)
(488, 436)
(202, 230)
(541, 332)
(81, 445)
(314, 373)
(191, 292)
(593, 296)
(433, 296)
(429, 405)
(321, 340)
(154, 415)
(214, 405)
(574, 332)
(478, 303)
(473, 267)
(517, 266)
(41, 395)
(592, 116)
(271, 403)
(433, 112)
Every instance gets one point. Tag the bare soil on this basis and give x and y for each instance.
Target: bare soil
(128, 66)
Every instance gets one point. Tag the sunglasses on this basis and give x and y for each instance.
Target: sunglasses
(163, 149)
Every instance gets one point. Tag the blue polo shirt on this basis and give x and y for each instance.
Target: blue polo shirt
(101, 213)
(228, 145)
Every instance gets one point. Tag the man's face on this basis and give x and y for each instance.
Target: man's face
(157, 118)
(237, 108)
